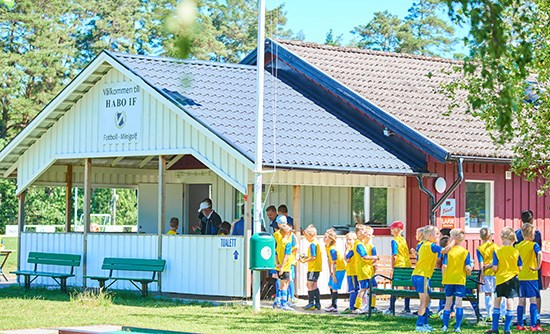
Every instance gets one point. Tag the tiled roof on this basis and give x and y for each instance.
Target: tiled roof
(222, 97)
(409, 88)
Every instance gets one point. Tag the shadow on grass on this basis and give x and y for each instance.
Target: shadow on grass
(116, 297)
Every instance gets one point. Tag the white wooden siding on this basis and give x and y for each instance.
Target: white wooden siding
(67, 243)
(75, 135)
(382, 244)
(196, 265)
(332, 179)
(105, 245)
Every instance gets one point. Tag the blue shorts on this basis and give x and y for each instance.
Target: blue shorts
(340, 277)
(364, 283)
(455, 290)
(528, 289)
(421, 284)
(353, 284)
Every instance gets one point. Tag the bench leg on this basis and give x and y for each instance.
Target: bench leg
(63, 284)
(27, 282)
(144, 289)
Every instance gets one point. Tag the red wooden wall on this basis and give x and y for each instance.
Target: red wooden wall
(510, 198)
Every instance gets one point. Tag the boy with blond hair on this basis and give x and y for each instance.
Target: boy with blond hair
(506, 264)
(337, 268)
(419, 236)
(485, 259)
(314, 267)
(351, 271)
(456, 266)
(425, 265)
(400, 258)
(283, 252)
(366, 256)
(531, 255)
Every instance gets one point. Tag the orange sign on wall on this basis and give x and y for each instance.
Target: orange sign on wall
(448, 213)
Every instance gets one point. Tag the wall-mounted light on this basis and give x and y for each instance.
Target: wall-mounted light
(388, 132)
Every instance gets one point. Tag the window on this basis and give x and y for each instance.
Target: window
(371, 203)
(479, 205)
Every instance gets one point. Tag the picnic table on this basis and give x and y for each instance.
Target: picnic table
(4, 254)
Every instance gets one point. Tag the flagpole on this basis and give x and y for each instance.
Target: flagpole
(259, 143)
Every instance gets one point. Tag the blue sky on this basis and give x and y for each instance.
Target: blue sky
(316, 17)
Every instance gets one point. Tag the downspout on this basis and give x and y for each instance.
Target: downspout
(433, 205)
(458, 181)
(431, 197)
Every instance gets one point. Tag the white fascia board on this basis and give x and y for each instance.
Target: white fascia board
(56, 102)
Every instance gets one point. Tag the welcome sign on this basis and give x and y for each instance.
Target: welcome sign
(120, 113)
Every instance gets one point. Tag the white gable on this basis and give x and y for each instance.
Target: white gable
(163, 129)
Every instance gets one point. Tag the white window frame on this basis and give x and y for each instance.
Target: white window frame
(490, 215)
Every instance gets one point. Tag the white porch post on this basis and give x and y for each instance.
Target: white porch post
(162, 207)
(21, 227)
(247, 234)
(87, 208)
(297, 214)
(68, 197)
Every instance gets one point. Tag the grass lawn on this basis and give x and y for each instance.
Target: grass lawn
(40, 308)
(10, 243)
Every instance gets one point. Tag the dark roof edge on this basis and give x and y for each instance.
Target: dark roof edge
(361, 103)
(169, 98)
(182, 61)
(481, 159)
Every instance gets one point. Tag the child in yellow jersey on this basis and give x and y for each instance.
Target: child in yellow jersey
(485, 259)
(284, 251)
(426, 260)
(366, 256)
(531, 255)
(314, 267)
(456, 266)
(419, 236)
(174, 223)
(400, 258)
(507, 265)
(337, 268)
(351, 272)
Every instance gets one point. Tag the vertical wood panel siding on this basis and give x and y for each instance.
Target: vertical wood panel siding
(510, 198)
(196, 265)
(105, 245)
(382, 245)
(76, 135)
(67, 243)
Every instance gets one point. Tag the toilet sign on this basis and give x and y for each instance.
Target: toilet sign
(448, 213)
(227, 243)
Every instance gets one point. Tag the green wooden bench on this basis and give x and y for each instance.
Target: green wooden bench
(153, 266)
(401, 280)
(54, 259)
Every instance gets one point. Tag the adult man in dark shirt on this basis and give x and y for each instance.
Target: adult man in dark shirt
(283, 210)
(271, 213)
(527, 217)
(209, 219)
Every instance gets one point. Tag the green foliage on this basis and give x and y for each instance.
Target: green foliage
(421, 32)
(505, 77)
(8, 204)
(333, 40)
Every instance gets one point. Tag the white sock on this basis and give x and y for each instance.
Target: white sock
(503, 306)
(489, 305)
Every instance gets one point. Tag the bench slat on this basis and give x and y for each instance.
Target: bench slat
(140, 279)
(133, 264)
(41, 273)
(57, 259)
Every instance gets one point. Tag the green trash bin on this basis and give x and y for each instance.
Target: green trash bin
(262, 251)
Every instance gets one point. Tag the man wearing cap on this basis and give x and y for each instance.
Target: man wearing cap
(210, 220)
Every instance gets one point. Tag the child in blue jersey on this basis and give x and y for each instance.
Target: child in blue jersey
(456, 266)
(283, 263)
(337, 268)
(506, 264)
(531, 255)
(400, 259)
(314, 262)
(425, 265)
